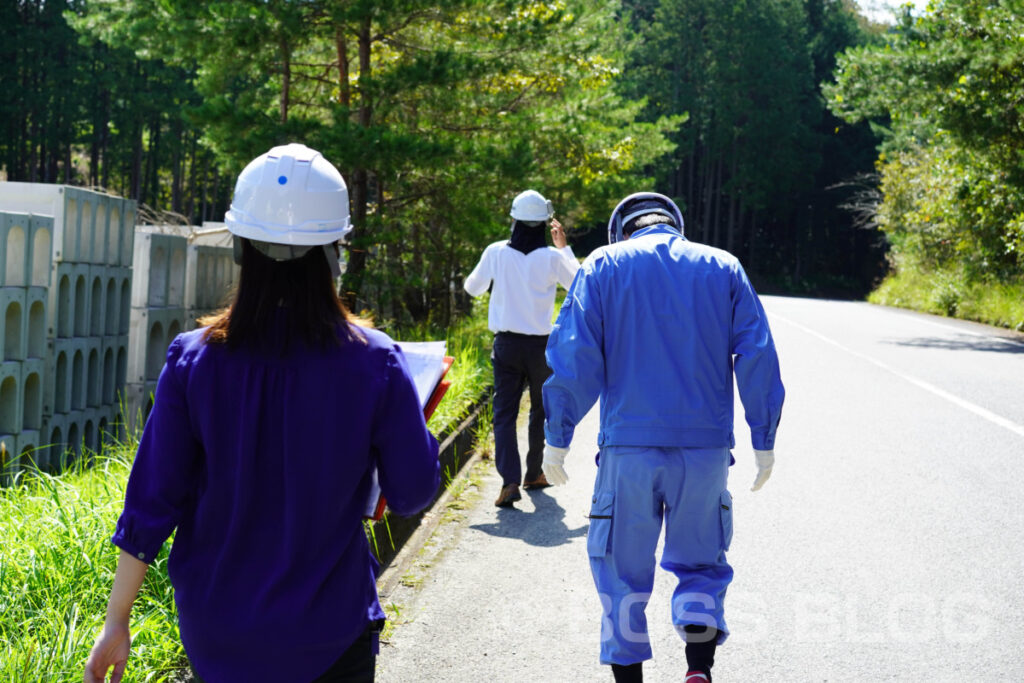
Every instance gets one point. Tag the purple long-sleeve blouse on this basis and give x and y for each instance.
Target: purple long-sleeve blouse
(261, 466)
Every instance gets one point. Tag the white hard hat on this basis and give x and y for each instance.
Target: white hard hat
(290, 195)
(639, 204)
(531, 206)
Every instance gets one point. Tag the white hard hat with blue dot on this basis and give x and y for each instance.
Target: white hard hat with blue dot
(290, 196)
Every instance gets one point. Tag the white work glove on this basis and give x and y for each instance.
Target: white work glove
(552, 465)
(765, 460)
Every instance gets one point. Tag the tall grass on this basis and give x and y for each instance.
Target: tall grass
(56, 570)
(951, 294)
(469, 343)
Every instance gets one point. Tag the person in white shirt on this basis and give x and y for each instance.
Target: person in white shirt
(525, 272)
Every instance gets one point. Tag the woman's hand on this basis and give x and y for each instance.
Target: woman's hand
(558, 234)
(111, 650)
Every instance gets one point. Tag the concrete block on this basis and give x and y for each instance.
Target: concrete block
(69, 301)
(114, 369)
(126, 250)
(54, 439)
(94, 244)
(57, 384)
(74, 211)
(11, 398)
(69, 375)
(73, 235)
(35, 334)
(158, 270)
(99, 295)
(151, 332)
(94, 372)
(212, 275)
(26, 249)
(116, 229)
(41, 254)
(106, 430)
(113, 430)
(90, 431)
(13, 323)
(9, 465)
(138, 402)
(29, 452)
(117, 292)
(14, 246)
(73, 437)
(33, 373)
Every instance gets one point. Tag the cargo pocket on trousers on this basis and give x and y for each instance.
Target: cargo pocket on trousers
(725, 509)
(600, 532)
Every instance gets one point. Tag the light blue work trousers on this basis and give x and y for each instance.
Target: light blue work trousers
(638, 488)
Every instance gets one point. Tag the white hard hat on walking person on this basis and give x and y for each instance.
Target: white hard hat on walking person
(531, 206)
(287, 201)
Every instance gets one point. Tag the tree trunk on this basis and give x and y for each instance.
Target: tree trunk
(716, 198)
(730, 229)
(191, 204)
(286, 78)
(352, 283)
(344, 90)
(153, 163)
(103, 168)
(177, 169)
(706, 196)
(691, 203)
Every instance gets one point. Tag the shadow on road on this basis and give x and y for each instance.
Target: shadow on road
(962, 344)
(544, 527)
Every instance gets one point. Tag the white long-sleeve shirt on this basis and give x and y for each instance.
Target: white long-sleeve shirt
(523, 299)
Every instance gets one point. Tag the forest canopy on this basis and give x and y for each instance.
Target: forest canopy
(438, 114)
(947, 90)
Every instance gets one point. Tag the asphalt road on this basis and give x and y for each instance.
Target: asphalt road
(888, 544)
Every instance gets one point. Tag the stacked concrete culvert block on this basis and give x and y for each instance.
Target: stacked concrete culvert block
(212, 271)
(88, 307)
(65, 291)
(180, 274)
(158, 311)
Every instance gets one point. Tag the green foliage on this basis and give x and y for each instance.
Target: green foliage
(437, 115)
(948, 85)
(757, 164)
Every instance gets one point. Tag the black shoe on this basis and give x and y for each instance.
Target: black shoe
(628, 673)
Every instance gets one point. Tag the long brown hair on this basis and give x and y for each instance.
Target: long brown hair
(280, 302)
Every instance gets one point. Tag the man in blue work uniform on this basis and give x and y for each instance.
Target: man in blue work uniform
(524, 272)
(656, 326)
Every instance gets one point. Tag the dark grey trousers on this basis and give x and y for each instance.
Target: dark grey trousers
(518, 361)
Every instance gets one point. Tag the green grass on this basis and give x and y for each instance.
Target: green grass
(56, 570)
(951, 294)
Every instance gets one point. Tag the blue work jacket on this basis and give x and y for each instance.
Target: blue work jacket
(656, 326)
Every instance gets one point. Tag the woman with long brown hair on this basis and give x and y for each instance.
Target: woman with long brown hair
(267, 425)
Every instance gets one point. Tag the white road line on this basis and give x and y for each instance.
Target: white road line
(955, 400)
